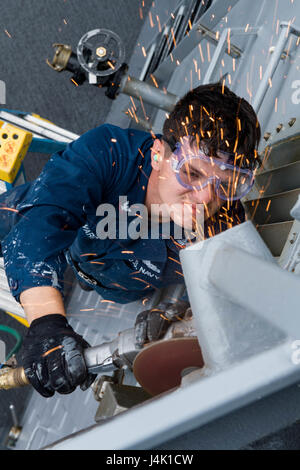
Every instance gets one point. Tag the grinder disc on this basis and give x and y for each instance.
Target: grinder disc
(158, 366)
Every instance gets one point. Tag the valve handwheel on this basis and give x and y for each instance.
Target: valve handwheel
(101, 52)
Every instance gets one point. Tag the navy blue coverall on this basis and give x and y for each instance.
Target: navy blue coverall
(52, 221)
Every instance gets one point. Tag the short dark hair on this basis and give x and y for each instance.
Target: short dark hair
(220, 119)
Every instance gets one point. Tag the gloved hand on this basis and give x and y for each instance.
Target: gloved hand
(52, 356)
(152, 325)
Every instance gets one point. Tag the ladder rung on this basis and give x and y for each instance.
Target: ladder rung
(282, 152)
(272, 209)
(281, 179)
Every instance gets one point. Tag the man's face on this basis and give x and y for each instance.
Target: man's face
(185, 204)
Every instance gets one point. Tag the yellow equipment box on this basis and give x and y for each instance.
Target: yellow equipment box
(14, 143)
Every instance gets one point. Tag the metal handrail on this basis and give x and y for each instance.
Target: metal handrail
(287, 29)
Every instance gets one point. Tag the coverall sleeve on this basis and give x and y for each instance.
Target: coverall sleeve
(71, 185)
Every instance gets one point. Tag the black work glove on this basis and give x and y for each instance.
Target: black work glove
(52, 356)
(152, 325)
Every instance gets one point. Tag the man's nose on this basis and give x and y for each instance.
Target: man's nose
(202, 196)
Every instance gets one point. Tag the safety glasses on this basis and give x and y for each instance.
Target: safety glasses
(195, 172)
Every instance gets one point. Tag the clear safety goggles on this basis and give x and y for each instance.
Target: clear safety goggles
(196, 172)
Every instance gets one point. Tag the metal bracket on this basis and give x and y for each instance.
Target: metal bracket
(114, 396)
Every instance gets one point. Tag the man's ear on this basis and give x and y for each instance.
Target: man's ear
(157, 154)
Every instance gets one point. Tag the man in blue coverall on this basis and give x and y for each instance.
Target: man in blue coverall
(206, 155)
